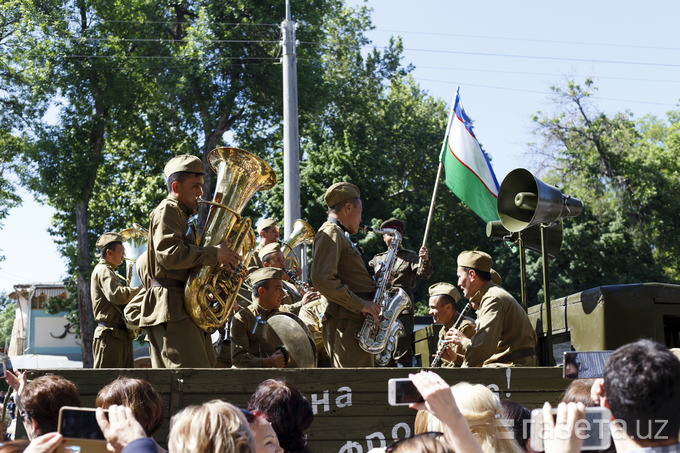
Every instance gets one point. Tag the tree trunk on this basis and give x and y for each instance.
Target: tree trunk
(83, 272)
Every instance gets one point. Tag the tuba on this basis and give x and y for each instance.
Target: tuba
(134, 243)
(302, 233)
(381, 337)
(210, 291)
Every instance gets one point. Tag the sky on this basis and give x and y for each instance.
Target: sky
(505, 56)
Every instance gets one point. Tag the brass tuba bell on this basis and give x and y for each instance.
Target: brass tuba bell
(134, 243)
(210, 291)
(302, 233)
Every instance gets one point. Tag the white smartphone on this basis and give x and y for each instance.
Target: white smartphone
(402, 392)
(81, 431)
(595, 429)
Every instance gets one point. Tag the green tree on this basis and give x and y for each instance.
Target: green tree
(8, 309)
(625, 172)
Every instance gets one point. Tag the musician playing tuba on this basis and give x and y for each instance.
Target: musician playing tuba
(175, 341)
(112, 344)
(340, 273)
(409, 266)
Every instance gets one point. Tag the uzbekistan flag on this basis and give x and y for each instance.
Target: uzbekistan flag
(468, 172)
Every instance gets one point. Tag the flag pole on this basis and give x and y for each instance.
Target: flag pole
(434, 198)
(436, 182)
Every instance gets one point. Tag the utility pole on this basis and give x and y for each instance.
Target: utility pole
(291, 135)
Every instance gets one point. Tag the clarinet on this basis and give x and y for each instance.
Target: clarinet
(444, 346)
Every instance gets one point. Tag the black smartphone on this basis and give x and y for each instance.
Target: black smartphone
(584, 364)
(402, 392)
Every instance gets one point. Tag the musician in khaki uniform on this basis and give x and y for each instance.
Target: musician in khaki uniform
(443, 299)
(295, 297)
(268, 232)
(504, 334)
(175, 341)
(112, 344)
(340, 273)
(247, 326)
(408, 267)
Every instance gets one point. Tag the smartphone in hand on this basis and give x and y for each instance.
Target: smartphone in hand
(402, 392)
(81, 431)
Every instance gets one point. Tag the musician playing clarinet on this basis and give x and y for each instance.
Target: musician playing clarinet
(443, 299)
(408, 267)
(340, 273)
(504, 334)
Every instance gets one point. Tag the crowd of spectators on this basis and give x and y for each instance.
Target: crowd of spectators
(641, 388)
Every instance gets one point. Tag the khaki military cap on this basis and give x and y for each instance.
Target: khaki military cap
(339, 192)
(476, 260)
(269, 248)
(496, 278)
(107, 238)
(264, 223)
(393, 223)
(185, 162)
(265, 273)
(444, 289)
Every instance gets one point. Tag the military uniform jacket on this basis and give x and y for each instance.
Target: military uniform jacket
(339, 273)
(292, 302)
(246, 331)
(108, 295)
(502, 327)
(467, 326)
(406, 271)
(171, 253)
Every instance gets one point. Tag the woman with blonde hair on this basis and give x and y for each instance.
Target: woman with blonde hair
(484, 414)
(215, 426)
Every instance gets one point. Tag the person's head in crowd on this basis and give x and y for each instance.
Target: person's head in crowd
(138, 395)
(41, 400)
(288, 411)
(483, 411)
(428, 442)
(642, 390)
(521, 419)
(578, 391)
(266, 440)
(215, 426)
(426, 422)
(344, 204)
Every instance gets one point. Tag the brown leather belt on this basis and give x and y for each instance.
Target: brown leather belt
(516, 355)
(167, 283)
(112, 325)
(365, 296)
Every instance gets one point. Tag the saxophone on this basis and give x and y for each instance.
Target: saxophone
(380, 338)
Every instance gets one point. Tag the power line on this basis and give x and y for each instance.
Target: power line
(538, 57)
(545, 41)
(538, 92)
(499, 71)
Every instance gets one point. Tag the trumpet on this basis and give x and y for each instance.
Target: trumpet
(444, 346)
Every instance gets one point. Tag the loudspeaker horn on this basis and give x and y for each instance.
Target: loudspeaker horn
(524, 200)
(531, 237)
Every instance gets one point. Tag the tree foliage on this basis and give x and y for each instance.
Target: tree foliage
(626, 173)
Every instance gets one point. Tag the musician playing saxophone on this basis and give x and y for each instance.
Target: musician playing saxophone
(295, 297)
(174, 340)
(408, 267)
(442, 302)
(341, 274)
